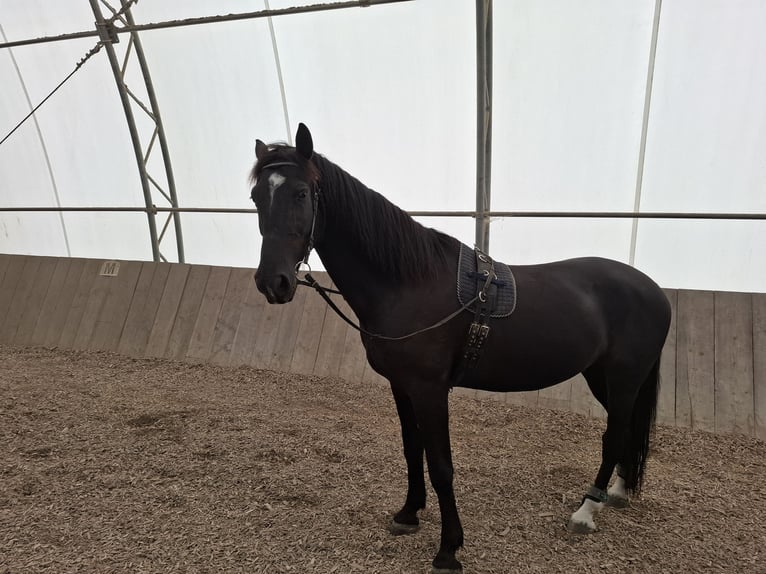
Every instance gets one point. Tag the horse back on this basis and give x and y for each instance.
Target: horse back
(570, 315)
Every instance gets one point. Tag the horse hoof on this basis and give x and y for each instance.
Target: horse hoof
(398, 529)
(435, 570)
(578, 527)
(618, 501)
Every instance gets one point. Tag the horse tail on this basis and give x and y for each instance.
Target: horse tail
(641, 425)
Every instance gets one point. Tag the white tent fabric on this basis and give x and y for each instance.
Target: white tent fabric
(389, 93)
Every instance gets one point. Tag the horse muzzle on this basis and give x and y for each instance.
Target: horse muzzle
(278, 288)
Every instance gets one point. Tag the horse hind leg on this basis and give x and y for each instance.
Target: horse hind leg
(582, 521)
(617, 494)
(630, 419)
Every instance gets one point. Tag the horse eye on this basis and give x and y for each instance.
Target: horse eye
(301, 194)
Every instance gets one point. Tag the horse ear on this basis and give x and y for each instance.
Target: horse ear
(303, 142)
(260, 149)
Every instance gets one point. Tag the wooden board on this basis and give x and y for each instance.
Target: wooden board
(247, 329)
(759, 363)
(333, 340)
(695, 360)
(558, 397)
(307, 342)
(64, 303)
(287, 332)
(5, 260)
(734, 411)
(34, 303)
(354, 359)
(143, 308)
(18, 302)
(111, 320)
(267, 327)
(48, 306)
(666, 400)
(188, 310)
(240, 283)
(201, 340)
(165, 318)
(583, 401)
(94, 302)
(11, 279)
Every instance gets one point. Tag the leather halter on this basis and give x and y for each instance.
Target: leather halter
(315, 207)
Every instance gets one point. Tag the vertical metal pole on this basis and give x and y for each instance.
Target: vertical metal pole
(484, 120)
(160, 133)
(644, 129)
(114, 63)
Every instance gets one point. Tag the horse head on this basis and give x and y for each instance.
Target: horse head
(286, 196)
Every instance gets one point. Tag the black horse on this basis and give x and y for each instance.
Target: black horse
(590, 315)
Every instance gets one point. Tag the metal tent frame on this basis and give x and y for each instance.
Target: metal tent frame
(108, 31)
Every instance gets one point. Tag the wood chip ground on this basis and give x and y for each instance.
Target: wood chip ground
(112, 464)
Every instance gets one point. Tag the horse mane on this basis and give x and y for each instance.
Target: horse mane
(385, 235)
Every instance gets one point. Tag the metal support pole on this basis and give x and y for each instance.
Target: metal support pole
(160, 133)
(106, 39)
(644, 129)
(484, 120)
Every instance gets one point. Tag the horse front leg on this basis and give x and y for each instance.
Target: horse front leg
(430, 404)
(406, 520)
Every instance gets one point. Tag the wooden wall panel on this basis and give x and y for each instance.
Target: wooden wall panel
(333, 339)
(583, 401)
(5, 260)
(558, 397)
(734, 410)
(164, 320)
(354, 356)
(143, 308)
(188, 310)
(287, 332)
(41, 283)
(18, 302)
(759, 364)
(49, 304)
(666, 400)
(10, 280)
(201, 341)
(713, 367)
(307, 342)
(246, 335)
(111, 320)
(65, 302)
(695, 360)
(240, 283)
(267, 328)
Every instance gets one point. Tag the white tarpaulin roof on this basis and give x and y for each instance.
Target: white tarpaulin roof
(389, 93)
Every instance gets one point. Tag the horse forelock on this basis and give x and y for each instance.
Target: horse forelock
(286, 153)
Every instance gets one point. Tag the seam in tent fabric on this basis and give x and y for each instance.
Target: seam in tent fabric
(279, 75)
(42, 143)
(644, 129)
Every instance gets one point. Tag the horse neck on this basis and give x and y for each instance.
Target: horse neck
(350, 242)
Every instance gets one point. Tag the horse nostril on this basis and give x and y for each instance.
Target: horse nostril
(284, 284)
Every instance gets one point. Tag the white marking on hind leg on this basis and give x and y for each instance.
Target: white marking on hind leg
(618, 494)
(582, 521)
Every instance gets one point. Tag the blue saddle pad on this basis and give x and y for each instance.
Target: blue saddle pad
(469, 283)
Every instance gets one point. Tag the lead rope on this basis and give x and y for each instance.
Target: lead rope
(309, 281)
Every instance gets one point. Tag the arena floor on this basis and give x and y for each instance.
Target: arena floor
(111, 464)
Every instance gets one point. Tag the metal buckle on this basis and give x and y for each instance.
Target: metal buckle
(299, 265)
